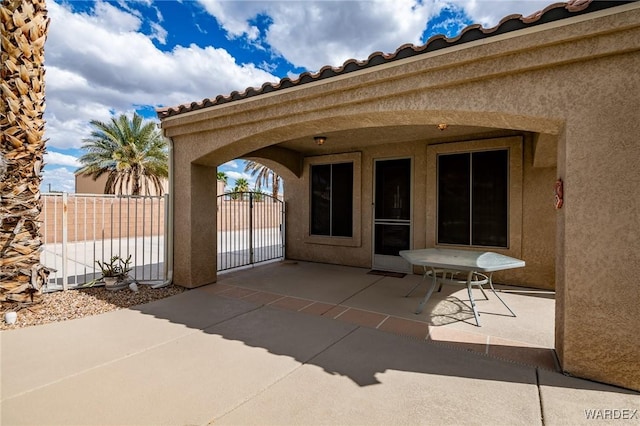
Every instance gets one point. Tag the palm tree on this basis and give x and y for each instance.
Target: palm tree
(132, 153)
(22, 147)
(222, 176)
(265, 176)
(242, 185)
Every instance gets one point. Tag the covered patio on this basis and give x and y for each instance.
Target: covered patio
(545, 105)
(356, 296)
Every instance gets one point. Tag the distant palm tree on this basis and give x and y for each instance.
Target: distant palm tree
(132, 153)
(242, 185)
(258, 195)
(265, 176)
(222, 176)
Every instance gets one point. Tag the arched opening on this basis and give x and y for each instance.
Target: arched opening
(250, 214)
(414, 138)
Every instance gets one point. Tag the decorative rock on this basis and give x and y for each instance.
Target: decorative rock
(10, 317)
(65, 305)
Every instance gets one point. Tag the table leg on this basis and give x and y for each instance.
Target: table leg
(476, 276)
(434, 282)
(416, 286)
(499, 298)
(473, 303)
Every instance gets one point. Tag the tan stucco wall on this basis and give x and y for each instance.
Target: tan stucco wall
(532, 212)
(87, 185)
(573, 81)
(598, 287)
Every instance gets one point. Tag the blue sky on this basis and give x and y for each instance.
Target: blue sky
(106, 58)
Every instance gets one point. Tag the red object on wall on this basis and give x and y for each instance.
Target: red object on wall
(559, 194)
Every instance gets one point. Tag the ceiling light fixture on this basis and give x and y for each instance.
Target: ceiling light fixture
(320, 139)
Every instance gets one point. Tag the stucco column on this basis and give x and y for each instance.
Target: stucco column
(195, 226)
(598, 290)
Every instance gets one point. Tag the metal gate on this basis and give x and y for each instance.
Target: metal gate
(250, 229)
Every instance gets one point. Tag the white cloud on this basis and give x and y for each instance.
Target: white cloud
(354, 30)
(489, 12)
(61, 159)
(159, 33)
(112, 67)
(111, 17)
(233, 16)
(58, 179)
(312, 34)
(233, 176)
(328, 32)
(234, 164)
(238, 175)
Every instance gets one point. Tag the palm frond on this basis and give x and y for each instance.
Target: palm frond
(264, 176)
(131, 151)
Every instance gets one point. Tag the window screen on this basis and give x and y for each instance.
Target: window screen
(473, 198)
(332, 200)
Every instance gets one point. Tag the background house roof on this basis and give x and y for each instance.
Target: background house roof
(511, 23)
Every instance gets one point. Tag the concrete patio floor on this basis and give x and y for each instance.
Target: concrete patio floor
(353, 295)
(277, 345)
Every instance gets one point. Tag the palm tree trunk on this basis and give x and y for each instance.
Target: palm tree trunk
(23, 25)
(275, 186)
(135, 184)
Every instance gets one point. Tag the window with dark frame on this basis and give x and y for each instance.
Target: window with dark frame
(473, 198)
(332, 200)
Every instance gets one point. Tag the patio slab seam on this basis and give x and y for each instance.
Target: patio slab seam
(190, 331)
(346, 308)
(361, 290)
(539, 396)
(283, 377)
(305, 307)
(488, 355)
(382, 322)
(100, 365)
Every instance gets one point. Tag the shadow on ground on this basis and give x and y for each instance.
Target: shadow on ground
(339, 348)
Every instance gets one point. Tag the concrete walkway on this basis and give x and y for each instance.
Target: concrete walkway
(200, 358)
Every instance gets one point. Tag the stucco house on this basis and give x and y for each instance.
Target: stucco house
(522, 139)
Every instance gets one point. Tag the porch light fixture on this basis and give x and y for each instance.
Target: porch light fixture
(443, 126)
(320, 139)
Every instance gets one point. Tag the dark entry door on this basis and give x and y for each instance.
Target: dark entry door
(392, 214)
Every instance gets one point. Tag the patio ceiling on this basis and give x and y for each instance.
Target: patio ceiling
(356, 139)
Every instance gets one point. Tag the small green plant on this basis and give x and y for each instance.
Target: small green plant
(116, 267)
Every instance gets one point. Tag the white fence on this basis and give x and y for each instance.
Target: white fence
(79, 229)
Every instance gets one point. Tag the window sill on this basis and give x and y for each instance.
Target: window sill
(332, 241)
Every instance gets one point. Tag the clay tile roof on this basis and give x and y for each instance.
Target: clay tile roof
(474, 32)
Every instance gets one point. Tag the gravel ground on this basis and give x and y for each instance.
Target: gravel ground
(70, 304)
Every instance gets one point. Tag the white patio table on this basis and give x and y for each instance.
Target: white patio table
(451, 262)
